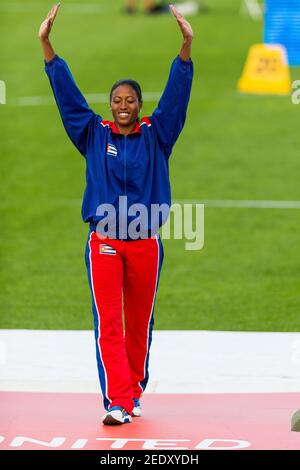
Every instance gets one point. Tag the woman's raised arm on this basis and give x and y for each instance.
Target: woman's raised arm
(77, 116)
(187, 33)
(169, 117)
(44, 33)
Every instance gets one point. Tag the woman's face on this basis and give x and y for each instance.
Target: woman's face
(125, 106)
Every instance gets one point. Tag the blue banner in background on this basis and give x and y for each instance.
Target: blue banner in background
(282, 26)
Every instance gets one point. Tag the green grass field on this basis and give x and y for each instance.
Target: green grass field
(232, 147)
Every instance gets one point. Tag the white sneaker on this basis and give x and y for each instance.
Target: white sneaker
(116, 415)
(137, 410)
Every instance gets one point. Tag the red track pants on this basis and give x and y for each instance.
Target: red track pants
(123, 274)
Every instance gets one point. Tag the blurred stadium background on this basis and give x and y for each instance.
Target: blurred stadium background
(234, 147)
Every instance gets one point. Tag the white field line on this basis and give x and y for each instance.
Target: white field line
(229, 203)
(249, 204)
(150, 96)
(25, 7)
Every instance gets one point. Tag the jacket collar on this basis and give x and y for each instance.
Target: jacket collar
(114, 128)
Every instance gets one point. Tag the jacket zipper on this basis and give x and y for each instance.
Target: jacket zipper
(125, 169)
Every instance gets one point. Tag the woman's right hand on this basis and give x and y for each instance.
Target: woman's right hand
(46, 25)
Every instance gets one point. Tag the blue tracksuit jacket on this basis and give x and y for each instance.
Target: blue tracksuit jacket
(135, 165)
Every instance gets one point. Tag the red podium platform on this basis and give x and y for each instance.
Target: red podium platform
(69, 421)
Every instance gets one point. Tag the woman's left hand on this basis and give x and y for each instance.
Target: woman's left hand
(184, 25)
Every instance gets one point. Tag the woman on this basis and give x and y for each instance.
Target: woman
(127, 160)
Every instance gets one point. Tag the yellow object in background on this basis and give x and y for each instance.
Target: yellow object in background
(266, 71)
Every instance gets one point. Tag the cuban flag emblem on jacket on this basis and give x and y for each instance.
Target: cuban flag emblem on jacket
(106, 250)
(111, 150)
